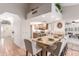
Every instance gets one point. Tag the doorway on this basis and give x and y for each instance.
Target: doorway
(6, 29)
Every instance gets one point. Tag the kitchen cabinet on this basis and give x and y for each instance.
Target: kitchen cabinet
(39, 30)
(41, 26)
(71, 27)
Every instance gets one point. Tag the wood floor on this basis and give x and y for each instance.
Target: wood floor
(71, 52)
(9, 48)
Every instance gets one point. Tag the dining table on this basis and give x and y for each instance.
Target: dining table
(46, 41)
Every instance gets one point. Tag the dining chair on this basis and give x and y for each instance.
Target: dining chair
(61, 45)
(64, 43)
(32, 48)
(55, 49)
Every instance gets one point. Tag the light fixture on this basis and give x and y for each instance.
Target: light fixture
(36, 23)
(76, 20)
(43, 15)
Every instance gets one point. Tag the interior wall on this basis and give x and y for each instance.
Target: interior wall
(71, 12)
(17, 31)
(0, 30)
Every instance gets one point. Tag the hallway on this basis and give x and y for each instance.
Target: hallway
(9, 48)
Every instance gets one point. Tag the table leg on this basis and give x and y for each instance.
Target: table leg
(26, 53)
(39, 54)
(44, 52)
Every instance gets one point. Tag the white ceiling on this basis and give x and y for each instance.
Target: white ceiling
(68, 4)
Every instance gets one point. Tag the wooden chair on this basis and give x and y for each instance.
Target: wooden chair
(31, 47)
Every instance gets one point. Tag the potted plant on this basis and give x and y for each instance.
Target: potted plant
(59, 7)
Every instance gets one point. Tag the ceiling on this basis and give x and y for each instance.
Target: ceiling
(68, 4)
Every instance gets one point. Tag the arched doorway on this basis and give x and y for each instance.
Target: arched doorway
(10, 42)
(11, 27)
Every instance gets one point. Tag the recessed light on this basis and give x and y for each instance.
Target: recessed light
(43, 15)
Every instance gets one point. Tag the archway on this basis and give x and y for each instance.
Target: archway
(10, 43)
(12, 25)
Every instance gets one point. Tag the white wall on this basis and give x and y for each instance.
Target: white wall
(71, 13)
(17, 31)
(0, 30)
(28, 31)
